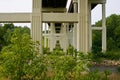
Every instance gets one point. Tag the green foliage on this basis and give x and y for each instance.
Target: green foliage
(21, 60)
(66, 67)
(46, 51)
(96, 41)
(113, 55)
(110, 55)
(97, 57)
(96, 75)
(113, 33)
(113, 39)
(118, 69)
(58, 50)
(93, 75)
(70, 50)
(6, 32)
(107, 73)
(16, 57)
(112, 43)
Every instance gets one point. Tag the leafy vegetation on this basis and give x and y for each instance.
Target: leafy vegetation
(113, 38)
(17, 55)
(118, 69)
(20, 58)
(113, 33)
(6, 32)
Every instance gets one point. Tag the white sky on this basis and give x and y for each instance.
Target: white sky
(112, 7)
(11, 6)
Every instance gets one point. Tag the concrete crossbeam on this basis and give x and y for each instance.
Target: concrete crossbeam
(15, 17)
(96, 28)
(54, 10)
(60, 17)
(47, 17)
(97, 1)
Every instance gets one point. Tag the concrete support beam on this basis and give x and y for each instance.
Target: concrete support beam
(104, 28)
(46, 17)
(67, 32)
(60, 10)
(15, 17)
(60, 17)
(96, 28)
(45, 38)
(90, 27)
(36, 29)
(83, 26)
(97, 1)
(64, 40)
(75, 8)
(52, 32)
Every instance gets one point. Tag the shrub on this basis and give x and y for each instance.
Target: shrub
(16, 57)
(21, 60)
(113, 55)
(118, 69)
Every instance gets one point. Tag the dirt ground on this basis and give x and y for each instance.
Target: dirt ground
(114, 76)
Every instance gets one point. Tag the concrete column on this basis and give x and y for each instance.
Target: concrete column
(71, 34)
(48, 37)
(45, 38)
(52, 32)
(67, 31)
(83, 26)
(104, 28)
(90, 28)
(61, 36)
(37, 22)
(49, 42)
(75, 25)
(64, 38)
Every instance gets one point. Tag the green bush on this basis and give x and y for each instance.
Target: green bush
(17, 57)
(46, 51)
(118, 69)
(113, 55)
(21, 60)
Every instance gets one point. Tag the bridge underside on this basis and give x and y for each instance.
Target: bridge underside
(54, 12)
(54, 3)
(48, 6)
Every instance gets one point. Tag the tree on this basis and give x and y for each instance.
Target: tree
(17, 56)
(6, 32)
(117, 36)
(113, 32)
(21, 60)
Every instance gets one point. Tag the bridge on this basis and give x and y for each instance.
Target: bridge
(71, 25)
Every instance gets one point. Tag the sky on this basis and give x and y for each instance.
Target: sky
(112, 7)
(13, 6)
